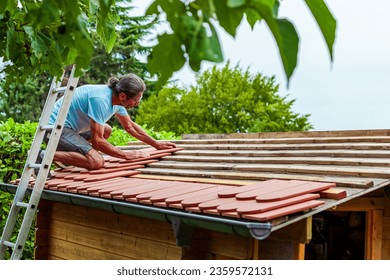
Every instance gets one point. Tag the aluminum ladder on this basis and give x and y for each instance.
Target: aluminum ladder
(27, 210)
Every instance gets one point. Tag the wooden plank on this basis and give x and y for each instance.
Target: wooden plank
(334, 193)
(213, 244)
(106, 242)
(259, 176)
(283, 160)
(373, 246)
(103, 220)
(273, 140)
(313, 146)
(361, 204)
(299, 251)
(356, 171)
(63, 249)
(195, 179)
(295, 140)
(373, 172)
(290, 153)
(291, 134)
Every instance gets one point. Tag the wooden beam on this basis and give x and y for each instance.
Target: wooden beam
(361, 204)
(299, 251)
(373, 246)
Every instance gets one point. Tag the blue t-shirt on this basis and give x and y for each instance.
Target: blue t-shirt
(88, 102)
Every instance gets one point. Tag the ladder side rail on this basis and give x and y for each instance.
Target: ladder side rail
(46, 163)
(26, 175)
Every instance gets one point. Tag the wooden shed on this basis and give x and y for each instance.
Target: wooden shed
(306, 195)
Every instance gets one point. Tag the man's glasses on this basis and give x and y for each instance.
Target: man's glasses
(137, 102)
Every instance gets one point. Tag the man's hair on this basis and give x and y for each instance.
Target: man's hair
(129, 84)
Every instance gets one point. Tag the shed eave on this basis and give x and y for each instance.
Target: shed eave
(257, 230)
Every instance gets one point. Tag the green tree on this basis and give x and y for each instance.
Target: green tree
(25, 100)
(47, 35)
(124, 57)
(224, 100)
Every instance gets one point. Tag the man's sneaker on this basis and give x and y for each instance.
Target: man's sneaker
(41, 154)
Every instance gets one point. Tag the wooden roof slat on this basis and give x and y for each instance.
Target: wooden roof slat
(291, 134)
(360, 171)
(276, 140)
(281, 160)
(320, 146)
(302, 140)
(290, 153)
(375, 172)
(339, 180)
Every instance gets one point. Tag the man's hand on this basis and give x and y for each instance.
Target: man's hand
(135, 154)
(165, 145)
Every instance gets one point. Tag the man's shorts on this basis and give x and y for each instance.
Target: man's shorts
(71, 141)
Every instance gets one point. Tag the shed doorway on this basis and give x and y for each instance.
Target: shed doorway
(337, 235)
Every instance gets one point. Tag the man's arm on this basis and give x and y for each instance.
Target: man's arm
(136, 131)
(101, 144)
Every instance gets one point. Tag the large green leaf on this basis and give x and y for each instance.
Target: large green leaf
(204, 47)
(8, 5)
(325, 21)
(229, 17)
(37, 43)
(284, 33)
(166, 58)
(287, 39)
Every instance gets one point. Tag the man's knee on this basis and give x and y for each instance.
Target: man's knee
(95, 160)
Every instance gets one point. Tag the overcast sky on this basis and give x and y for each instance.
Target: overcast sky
(353, 92)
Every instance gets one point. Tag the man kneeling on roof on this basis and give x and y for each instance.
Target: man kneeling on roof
(85, 131)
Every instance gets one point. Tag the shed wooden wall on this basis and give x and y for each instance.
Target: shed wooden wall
(66, 231)
(72, 232)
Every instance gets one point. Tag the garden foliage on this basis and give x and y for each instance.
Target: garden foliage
(15, 141)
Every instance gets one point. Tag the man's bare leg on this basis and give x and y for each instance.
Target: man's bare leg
(92, 160)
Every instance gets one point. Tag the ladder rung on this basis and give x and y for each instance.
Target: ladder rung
(47, 127)
(22, 204)
(59, 90)
(9, 244)
(35, 165)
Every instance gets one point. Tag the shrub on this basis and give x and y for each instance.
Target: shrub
(15, 142)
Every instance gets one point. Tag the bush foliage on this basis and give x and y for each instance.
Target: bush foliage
(15, 141)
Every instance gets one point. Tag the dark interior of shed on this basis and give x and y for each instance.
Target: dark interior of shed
(337, 235)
